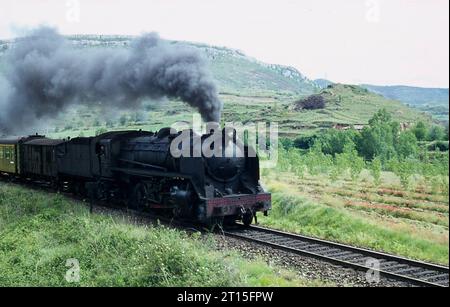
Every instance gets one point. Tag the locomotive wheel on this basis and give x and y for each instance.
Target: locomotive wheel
(247, 218)
(138, 198)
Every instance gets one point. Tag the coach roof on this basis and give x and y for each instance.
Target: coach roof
(44, 142)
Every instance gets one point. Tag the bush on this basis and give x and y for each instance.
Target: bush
(287, 143)
(334, 141)
(420, 131)
(313, 102)
(436, 133)
(438, 146)
(305, 142)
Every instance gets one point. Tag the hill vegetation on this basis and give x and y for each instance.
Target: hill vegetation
(251, 91)
(434, 101)
(416, 96)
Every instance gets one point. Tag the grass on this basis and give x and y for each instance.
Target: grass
(323, 213)
(39, 232)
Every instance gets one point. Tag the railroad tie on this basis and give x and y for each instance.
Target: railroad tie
(408, 271)
(397, 268)
(424, 273)
(437, 277)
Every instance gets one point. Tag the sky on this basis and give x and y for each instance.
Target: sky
(384, 42)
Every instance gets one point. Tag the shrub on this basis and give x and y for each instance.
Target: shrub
(436, 133)
(313, 102)
(438, 146)
(420, 130)
(305, 142)
(334, 141)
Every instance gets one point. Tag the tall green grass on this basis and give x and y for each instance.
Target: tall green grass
(39, 232)
(297, 214)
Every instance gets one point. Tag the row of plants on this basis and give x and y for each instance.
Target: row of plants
(381, 146)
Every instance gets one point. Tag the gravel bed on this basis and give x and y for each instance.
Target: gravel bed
(307, 268)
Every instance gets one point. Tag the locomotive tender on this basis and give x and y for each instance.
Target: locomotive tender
(138, 169)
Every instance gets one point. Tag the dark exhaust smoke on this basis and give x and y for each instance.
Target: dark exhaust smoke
(45, 73)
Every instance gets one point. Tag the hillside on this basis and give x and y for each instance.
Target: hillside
(238, 73)
(235, 72)
(351, 104)
(251, 91)
(431, 100)
(416, 96)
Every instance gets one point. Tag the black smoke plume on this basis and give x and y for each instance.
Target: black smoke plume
(45, 73)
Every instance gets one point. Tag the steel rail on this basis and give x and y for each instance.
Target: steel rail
(399, 268)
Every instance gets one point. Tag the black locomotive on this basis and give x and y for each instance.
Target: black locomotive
(137, 168)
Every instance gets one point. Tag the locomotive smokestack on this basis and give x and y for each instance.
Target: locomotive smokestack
(46, 73)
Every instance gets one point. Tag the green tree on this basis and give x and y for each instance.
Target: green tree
(381, 117)
(436, 133)
(356, 167)
(404, 170)
(334, 141)
(375, 169)
(123, 120)
(350, 159)
(407, 145)
(378, 139)
(420, 130)
(317, 161)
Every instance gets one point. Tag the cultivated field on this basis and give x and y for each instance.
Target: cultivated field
(409, 222)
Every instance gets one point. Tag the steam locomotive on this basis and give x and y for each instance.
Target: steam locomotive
(138, 170)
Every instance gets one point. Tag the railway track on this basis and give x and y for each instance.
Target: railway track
(388, 266)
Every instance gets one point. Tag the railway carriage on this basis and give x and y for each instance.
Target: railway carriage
(38, 158)
(9, 156)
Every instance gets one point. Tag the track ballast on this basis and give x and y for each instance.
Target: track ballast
(388, 266)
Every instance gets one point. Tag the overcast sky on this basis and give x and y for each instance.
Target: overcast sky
(349, 41)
